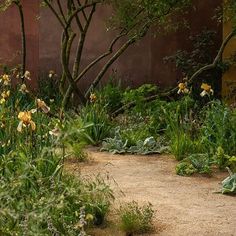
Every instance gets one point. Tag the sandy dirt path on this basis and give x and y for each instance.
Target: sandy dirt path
(185, 206)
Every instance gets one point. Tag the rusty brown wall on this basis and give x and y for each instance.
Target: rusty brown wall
(141, 63)
(10, 40)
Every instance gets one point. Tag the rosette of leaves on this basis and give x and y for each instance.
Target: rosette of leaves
(149, 146)
(119, 145)
(195, 163)
(115, 145)
(229, 184)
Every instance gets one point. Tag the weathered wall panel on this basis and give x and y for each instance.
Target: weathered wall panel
(141, 63)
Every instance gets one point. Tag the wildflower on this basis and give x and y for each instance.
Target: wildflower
(183, 88)
(89, 217)
(27, 75)
(25, 118)
(4, 95)
(93, 97)
(23, 89)
(5, 79)
(55, 132)
(207, 90)
(42, 105)
(52, 74)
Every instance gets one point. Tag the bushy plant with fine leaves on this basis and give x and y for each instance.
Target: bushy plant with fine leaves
(37, 196)
(135, 218)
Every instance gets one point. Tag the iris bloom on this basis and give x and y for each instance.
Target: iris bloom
(55, 132)
(4, 95)
(93, 97)
(5, 79)
(207, 90)
(25, 118)
(52, 74)
(23, 89)
(183, 88)
(42, 105)
(27, 75)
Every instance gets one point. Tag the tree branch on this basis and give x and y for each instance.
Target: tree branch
(107, 53)
(109, 63)
(193, 77)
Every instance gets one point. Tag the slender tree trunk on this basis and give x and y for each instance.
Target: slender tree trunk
(23, 38)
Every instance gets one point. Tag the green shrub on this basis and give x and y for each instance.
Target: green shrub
(181, 145)
(135, 218)
(219, 128)
(224, 160)
(36, 196)
(110, 96)
(202, 162)
(185, 168)
(91, 126)
(77, 151)
(195, 163)
(138, 95)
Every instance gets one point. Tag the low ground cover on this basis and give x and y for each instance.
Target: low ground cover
(200, 133)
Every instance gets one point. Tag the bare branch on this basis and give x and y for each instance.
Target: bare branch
(107, 53)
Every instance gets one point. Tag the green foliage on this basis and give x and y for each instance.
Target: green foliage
(203, 48)
(139, 93)
(115, 145)
(185, 168)
(179, 127)
(48, 88)
(135, 218)
(229, 184)
(218, 128)
(224, 160)
(120, 145)
(189, 62)
(110, 96)
(230, 12)
(195, 163)
(77, 151)
(36, 196)
(127, 13)
(95, 123)
(181, 145)
(202, 162)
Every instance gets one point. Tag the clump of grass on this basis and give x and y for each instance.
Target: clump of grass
(135, 218)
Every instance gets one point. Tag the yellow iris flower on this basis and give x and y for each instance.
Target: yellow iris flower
(5, 79)
(183, 88)
(23, 89)
(42, 105)
(4, 96)
(27, 75)
(93, 97)
(207, 90)
(25, 118)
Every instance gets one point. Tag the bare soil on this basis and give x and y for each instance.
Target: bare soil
(183, 205)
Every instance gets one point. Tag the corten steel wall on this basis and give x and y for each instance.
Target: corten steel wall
(10, 40)
(141, 63)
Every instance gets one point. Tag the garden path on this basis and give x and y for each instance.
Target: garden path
(184, 205)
